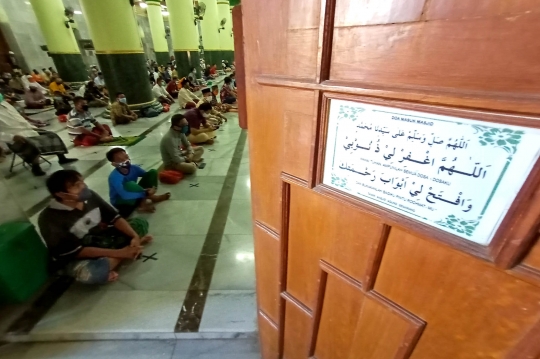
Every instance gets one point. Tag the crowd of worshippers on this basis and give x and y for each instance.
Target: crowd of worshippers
(90, 243)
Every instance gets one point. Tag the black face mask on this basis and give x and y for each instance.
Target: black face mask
(84, 108)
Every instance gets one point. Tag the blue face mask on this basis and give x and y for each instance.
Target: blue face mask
(185, 129)
(123, 100)
(84, 195)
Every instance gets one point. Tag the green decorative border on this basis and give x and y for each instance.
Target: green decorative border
(504, 138)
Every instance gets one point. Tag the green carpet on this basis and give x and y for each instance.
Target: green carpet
(124, 141)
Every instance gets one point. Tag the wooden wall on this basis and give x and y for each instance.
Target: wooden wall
(338, 277)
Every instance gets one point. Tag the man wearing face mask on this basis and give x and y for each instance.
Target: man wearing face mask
(160, 92)
(27, 141)
(124, 191)
(176, 151)
(86, 237)
(200, 131)
(120, 112)
(83, 128)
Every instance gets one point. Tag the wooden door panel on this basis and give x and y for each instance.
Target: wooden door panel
(302, 53)
(297, 331)
(384, 331)
(299, 112)
(268, 253)
(463, 9)
(340, 311)
(266, 155)
(372, 12)
(304, 14)
(269, 338)
(430, 55)
(320, 228)
(470, 306)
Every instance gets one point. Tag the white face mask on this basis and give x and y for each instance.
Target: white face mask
(205, 115)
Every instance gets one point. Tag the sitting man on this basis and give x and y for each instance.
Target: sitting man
(221, 107)
(80, 128)
(93, 95)
(57, 88)
(186, 98)
(172, 87)
(120, 112)
(124, 191)
(99, 80)
(26, 141)
(176, 151)
(160, 93)
(17, 84)
(32, 81)
(86, 237)
(228, 95)
(215, 118)
(200, 132)
(34, 98)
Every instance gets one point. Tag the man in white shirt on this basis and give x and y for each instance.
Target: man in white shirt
(99, 81)
(186, 98)
(28, 142)
(161, 93)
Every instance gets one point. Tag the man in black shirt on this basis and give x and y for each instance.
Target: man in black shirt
(84, 234)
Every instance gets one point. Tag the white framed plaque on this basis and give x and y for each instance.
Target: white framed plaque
(456, 174)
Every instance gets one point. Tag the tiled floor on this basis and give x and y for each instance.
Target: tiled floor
(143, 349)
(148, 297)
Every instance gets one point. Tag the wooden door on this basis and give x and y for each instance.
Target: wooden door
(341, 277)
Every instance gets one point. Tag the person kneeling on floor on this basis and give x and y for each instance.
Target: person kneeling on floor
(86, 237)
(176, 151)
(83, 128)
(200, 131)
(29, 142)
(124, 191)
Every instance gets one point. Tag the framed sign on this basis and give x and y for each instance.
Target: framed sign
(458, 175)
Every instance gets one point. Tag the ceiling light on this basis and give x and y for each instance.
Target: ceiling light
(77, 12)
(142, 4)
(165, 13)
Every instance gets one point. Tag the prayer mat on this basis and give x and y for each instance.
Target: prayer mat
(124, 141)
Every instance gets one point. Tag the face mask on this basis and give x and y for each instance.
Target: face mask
(126, 164)
(123, 100)
(205, 115)
(185, 129)
(84, 195)
(1, 97)
(85, 108)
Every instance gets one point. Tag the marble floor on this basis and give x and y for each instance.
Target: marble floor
(207, 221)
(141, 349)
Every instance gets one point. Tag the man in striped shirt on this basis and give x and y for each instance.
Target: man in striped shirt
(83, 128)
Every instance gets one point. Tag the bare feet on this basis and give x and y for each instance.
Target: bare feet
(147, 239)
(146, 207)
(209, 142)
(160, 197)
(113, 276)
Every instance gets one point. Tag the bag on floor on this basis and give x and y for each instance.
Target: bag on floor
(170, 177)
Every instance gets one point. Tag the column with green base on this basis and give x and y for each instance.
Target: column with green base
(210, 34)
(61, 42)
(119, 49)
(185, 36)
(157, 28)
(226, 39)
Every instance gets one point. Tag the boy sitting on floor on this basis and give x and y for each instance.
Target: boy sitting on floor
(221, 107)
(124, 192)
(215, 118)
(86, 237)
